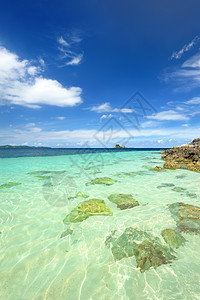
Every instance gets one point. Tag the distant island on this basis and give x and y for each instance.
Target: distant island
(117, 146)
(22, 147)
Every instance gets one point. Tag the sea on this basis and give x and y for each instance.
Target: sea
(43, 258)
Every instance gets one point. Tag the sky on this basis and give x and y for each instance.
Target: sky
(95, 73)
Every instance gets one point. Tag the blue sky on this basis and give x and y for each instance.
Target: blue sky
(69, 69)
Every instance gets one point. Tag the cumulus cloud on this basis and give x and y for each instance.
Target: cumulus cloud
(68, 49)
(61, 118)
(106, 107)
(21, 83)
(194, 100)
(186, 48)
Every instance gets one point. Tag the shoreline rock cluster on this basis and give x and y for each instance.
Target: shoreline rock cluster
(186, 156)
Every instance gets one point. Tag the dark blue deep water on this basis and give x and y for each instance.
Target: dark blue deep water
(20, 152)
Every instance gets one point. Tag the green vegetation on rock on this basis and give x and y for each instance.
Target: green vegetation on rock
(102, 180)
(173, 238)
(86, 209)
(9, 185)
(123, 201)
(80, 194)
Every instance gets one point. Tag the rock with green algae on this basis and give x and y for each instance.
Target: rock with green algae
(9, 185)
(148, 251)
(41, 177)
(170, 164)
(123, 201)
(102, 180)
(86, 209)
(178, 189)
(187, 216)
(81, 194)
(173, 238)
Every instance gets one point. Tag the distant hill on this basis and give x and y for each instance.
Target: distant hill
(22, 147)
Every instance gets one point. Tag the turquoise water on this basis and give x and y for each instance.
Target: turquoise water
(37, 263)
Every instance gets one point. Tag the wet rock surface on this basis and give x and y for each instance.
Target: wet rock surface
(148, 251)
(86, 209)
(157, 168)
(187, 216)
(123, 201)
(170, 164)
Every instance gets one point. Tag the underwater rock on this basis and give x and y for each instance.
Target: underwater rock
(173, 238)
(181, 176)
(157, 168)
(86, 209)
(187, 216)
(165, 185)
(149, 252)
(123, 201)
(66, 233)
(80, 194)
(45, 172)
(40, 177)
(170, 164)
(178, 189)
(102, 180)
(9, 185)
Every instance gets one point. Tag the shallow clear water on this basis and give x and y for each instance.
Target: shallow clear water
(36, 263)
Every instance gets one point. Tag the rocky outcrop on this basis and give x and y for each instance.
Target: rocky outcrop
(170, 164)
(117, 146)
(86, 209)
(157, 168)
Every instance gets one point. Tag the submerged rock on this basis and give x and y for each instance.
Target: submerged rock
(123, 201)
(40, 177)
(187, 216)
(157, 168)
(173, 238)
(9, 185)
(148, 251)
(170, 164)
(80, 194)
(163, 185)
(45, 172)
(102, 180)
(66, 233)
(178, 189)
(86, 209)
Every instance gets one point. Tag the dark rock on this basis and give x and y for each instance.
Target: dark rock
(123, 201)
(102, 180)
(173, 238)
(9, 185)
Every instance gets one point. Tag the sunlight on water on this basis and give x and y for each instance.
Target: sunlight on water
(41, 258)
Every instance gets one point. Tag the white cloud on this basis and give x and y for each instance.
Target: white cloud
(186, 48)
(61, 118)
(106, 116)
(194, 100)
(21, 85)
(170, 140)
(106, 107)
(70, 56)
(160, 141)
(168, 115)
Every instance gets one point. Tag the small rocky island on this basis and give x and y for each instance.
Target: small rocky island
(186, 156)
(117, 146)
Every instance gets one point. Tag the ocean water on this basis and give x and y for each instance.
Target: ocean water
(38, 260)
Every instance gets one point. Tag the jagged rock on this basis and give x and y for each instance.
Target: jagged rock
(170, 164)
(86, 209)
(188, 154)
(187, 216)
(173, 238)
(102, 180)
(148, 251)
(9, 185)
(123, 201)
(157, 168)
